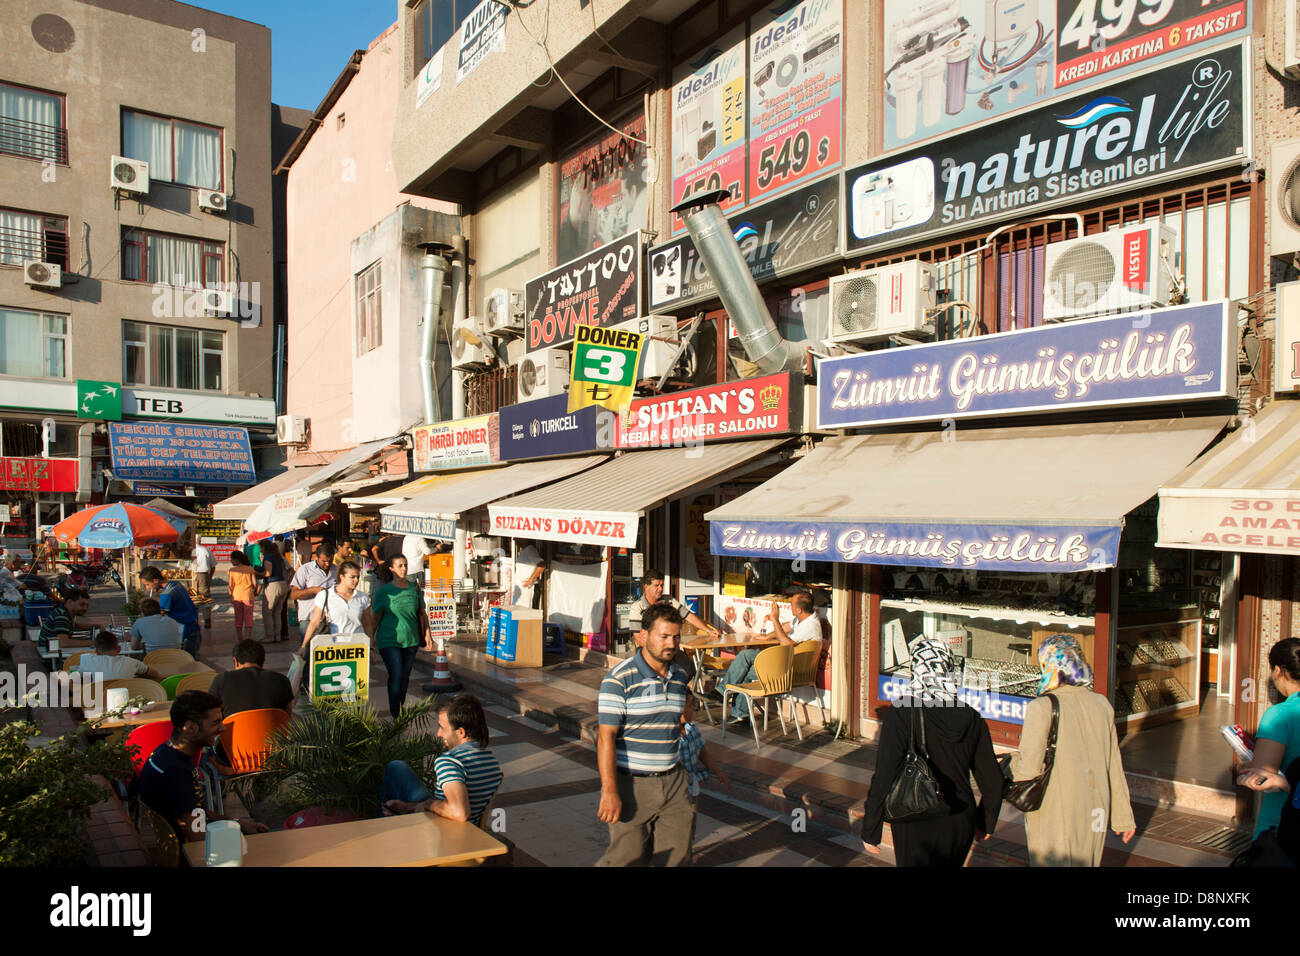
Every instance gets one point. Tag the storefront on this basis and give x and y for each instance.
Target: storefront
(35, 494)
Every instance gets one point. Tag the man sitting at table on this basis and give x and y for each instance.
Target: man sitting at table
(170, 784)
(652, 593)
(154, 631)
(467, 774)
(807, 627)
(109, 663)
(174, 599)
(61, 622)
(248, 686)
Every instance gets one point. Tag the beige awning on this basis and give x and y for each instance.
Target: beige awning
(1048, 497)
(393, 496)
(241, 506)
(1243, 494)
(166, 507)
(604, 506)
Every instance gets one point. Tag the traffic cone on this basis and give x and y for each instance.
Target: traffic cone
(443, 682)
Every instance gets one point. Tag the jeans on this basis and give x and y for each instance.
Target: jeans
(191, 638)
(740, 671)
(398, 661)
(401, 783)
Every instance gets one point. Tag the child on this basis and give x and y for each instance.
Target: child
(697, 759)
(152, 631)
(243, 584)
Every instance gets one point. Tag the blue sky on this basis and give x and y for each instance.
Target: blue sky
(311, 40)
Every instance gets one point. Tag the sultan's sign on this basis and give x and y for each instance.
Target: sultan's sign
(747, 409)
(1162, 355)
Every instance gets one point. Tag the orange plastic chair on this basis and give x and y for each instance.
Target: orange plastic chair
(246, 738)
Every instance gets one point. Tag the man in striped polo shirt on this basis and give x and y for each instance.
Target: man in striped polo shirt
(644, 791)
(466, 775)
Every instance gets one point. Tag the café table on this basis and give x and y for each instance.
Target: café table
(150, 714)
(413, 839)
(736, 641)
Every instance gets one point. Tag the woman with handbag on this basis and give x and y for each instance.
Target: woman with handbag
(929, 744)
(1277, 742)
(1085, 790)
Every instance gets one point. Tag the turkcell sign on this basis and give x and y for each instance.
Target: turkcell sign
(1166, 123)
(1180, 354)
(545, 428)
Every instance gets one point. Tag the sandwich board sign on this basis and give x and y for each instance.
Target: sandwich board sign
(340, 667)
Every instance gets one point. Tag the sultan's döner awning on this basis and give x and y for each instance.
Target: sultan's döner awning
(1041, 498)
(604, 506)
(1243, 494)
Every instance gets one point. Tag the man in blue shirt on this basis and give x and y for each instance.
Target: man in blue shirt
(174, 599)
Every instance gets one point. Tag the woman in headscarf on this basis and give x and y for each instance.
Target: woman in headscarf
(1086, 792)
(957, 743)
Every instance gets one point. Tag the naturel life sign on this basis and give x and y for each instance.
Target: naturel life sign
(604, 367)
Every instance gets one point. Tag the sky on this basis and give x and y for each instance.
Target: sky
(311, 40)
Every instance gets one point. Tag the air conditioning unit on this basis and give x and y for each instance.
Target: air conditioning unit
(503, 312)
(1291, 55)
(129, 175)
(1115, 271)
(290, 430)
(217, 302)
(468, 350)
(212, 201)
(876, 303)
(543, 373)
(658, 351)
(1282, 184)
(42, 275)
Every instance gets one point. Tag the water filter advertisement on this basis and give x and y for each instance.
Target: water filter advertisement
(954, 63)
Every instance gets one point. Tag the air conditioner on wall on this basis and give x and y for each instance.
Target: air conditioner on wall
(468, 350)
(658, 350)
(212, 201)
(543, 373)
(42, 275)
(1282, 188)
(290, 430)
(1115, 271)
(217, 302)
(503, 312)
(129, 175)
(876, 303)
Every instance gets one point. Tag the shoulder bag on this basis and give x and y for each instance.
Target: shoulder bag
(915, 793)
(1027, 795)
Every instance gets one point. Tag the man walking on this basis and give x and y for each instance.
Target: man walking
(202, 570)
(644, 791)
(275, 594)
(313, 577)
(807, 627)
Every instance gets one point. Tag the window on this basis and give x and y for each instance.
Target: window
(370, 287)
(167, 357)
(436, 21)
(33, 344)
(30, 235)
(31, 124)
(175, 260)
(176, 151)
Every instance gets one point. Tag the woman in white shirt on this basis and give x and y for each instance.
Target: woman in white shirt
(342, 609)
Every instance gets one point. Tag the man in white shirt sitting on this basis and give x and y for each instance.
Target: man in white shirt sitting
(108, 662)
(807, 627)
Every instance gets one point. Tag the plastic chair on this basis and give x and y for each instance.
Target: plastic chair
(71, 661)
(148, 738)
(772, 665)
(246, 738)
(484, 823)
(169, 684)
(200, 681)
(168, 656)
(803, 676)
(150, 690)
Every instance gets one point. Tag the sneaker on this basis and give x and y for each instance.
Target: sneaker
(738, 722)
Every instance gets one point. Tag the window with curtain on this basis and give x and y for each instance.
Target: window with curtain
(370, 287)
(33, 344)
(174, 260)
(29, 235)
(31, 124)
(163, 356)
(176, 151)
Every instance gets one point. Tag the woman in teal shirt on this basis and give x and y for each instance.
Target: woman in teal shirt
(400, 625)
(1278, 741)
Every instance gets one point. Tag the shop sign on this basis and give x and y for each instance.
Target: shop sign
(603, 370)
(464, 443)
(964, 62)
(784, 235)
(1161, 355)
(796, 68)
(991, 547)
(438, 527)
(430, 78)
(750, 408)
(1286, 351)
(220, 549)
(4, 514)
(545, 428)
(991, 705)
(287, 504)
(1165, 124)
(599, 288)
(1258, 524)
(196, 406)
(100, 400)
(615, 529)
(340, 667)
(743, 615)
(696, 569)
(38, 474)
(440, 608)
(482, 32)
(166, 451)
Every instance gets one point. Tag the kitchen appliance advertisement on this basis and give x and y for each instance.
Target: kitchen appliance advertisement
(708, 137)
(953, 63)
(1163, 124)
(796, 66)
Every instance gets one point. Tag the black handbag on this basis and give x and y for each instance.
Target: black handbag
(1027, 795)
(1266, 851)
(915, 793)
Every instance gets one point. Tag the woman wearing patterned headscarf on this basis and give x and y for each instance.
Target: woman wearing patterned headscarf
(957, 743)
(1086, 791)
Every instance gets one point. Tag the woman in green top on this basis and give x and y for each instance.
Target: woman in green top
(400, 626)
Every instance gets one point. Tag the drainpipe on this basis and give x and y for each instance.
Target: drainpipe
(726, 263)
(433, 269)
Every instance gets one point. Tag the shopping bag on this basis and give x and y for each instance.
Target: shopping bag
(295, 673)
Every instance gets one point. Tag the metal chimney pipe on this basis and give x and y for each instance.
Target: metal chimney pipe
(721, 254)
(433, 270)
(460, 312)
